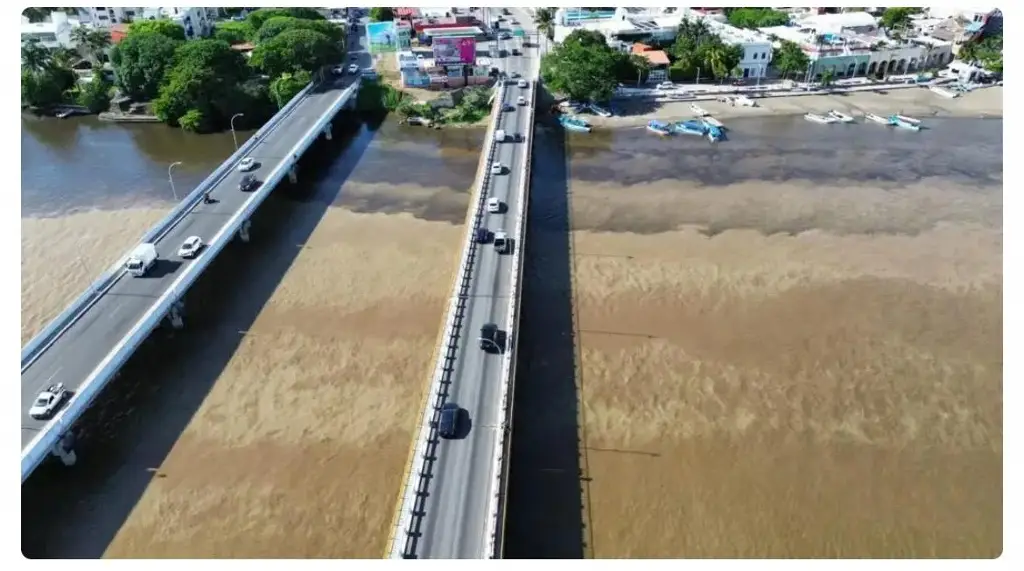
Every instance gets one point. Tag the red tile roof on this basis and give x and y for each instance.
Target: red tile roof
(656, 57)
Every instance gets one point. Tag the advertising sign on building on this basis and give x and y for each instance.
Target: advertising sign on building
(404, 37)
(449, 51)
(382, 37)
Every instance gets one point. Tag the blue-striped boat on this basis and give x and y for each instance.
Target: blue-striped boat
(659, 128)
(572, 123)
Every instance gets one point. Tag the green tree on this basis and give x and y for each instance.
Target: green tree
(988, 52)
(46, 87)
(34, 57)
(193, 121)
(165, 27)
(897, 19)
(63, 57)
(257, 18)
(288, 85)
(379, 14)
(583, 67)
(545, 20)
(827, 77)
(790, 59)
(278, 24)
(295, 49)
(205, 77)
(631, 67)
(141, 62)
(757, 17)
(233, 32)
(95, 95)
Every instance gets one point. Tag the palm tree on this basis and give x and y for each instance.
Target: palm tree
(545, 19)
(63, 57)
(34, 56)
(99, 41)
(91, 43)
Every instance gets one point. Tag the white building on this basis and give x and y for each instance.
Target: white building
(105, 16)
(54, 33)
(623, 27)
(197, 22)
(846, 22)
(757, 48)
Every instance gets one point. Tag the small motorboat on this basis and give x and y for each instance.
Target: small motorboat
(744, 101)
(600, 110)
(905, 125)
(906, 119)
(572, 123)
(824, 120)
(714, 134)
(691, 127)
(698, 110)
(877, 119)
(659, 127)
(713, 122)
(943, 92)
(840, 116)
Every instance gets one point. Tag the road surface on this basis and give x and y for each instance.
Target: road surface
(455, 521)
(82, 347)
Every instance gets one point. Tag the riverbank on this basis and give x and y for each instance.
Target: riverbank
(919, 102)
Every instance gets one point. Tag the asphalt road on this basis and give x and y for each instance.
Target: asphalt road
(455, 523)
(87, 342)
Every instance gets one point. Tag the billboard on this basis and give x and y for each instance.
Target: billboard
(382, 37)
(449, 51)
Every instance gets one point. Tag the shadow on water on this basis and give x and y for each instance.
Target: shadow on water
(124, 439)
(545, 514)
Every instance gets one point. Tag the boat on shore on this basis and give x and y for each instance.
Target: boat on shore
(715, 134)
(690, 127)
(698, 110)
(822, 119)
(878, 119)
(573, 123)
(659, 128)
(744, 101)
(599, 110)
(840, 116)
(906, 125)
(907, 119)
(713, 122)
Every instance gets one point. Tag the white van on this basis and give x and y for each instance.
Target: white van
(493, 205)
(496, 168)
(499, 135)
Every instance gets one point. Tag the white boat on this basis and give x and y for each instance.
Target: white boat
(820, 118)
(877, 119)
(698, 110)
(744, 101)
(840, 116)
(714, 122)
(907, 119)
(943, 92)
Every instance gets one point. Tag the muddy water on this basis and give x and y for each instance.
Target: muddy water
(784, 345)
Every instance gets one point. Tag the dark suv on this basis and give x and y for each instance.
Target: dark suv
(483, 235)
(247, 183)
(489, 338)
(448, 426)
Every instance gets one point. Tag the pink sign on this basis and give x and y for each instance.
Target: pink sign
(450, 51)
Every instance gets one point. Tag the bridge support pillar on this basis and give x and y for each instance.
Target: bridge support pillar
(293, 174)
(175, 315)
(64, 449)
(243, 231)
(327, 132)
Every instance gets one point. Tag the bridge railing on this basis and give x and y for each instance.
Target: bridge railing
(56, 327)
(111, 363)
(406, 529)
(499, 489)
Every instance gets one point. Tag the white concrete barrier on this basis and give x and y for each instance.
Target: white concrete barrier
(402, 538)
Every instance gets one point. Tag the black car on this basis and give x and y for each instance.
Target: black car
(508, 107)
(516, 52)
(483, 235)
(448, 426)
(247, 183)
(489, 338)
(518, 138)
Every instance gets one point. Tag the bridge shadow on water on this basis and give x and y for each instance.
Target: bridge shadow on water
(124, 438)
(545, 517)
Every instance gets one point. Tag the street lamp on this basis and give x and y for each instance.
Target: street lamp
(171, 178)
(233, 136)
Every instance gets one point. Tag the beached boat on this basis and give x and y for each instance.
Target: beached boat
(878, 119)
(65, 114)
(691, 127)
(840, 116)
(943, 92)
(713, 122)
(819, 118)
(572, 123)
(906, 125)
(599, 110)
(744, 101)
(714, 134)
(659, 127)
(907, 119)
(698, 110)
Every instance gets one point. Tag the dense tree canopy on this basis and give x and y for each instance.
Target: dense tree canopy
(257, 18)
(296, 49)
(95, 95)
(700, 53)
(205, 78)
(165, 27)
(582, 67)
(141, 61)
(897, 18)
(233, 32)
(278, 24)
(756, 17)
(43, 81)
(988, 52)
(288, 85)
(379, 14)
(790, 59)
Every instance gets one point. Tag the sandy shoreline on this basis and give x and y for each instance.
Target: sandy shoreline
(986, 102)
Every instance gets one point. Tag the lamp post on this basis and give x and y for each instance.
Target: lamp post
(233, 136)
(171, 178)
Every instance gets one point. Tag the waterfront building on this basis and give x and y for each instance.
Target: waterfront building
(54, 33)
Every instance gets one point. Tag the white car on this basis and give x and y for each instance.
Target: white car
(190, 247)
(496, 168)
(666, 85)
(49, 401)
(247, 164)
(353, 69)
(501, 242)
(522, 84)
(493, 205)
(521, 100)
